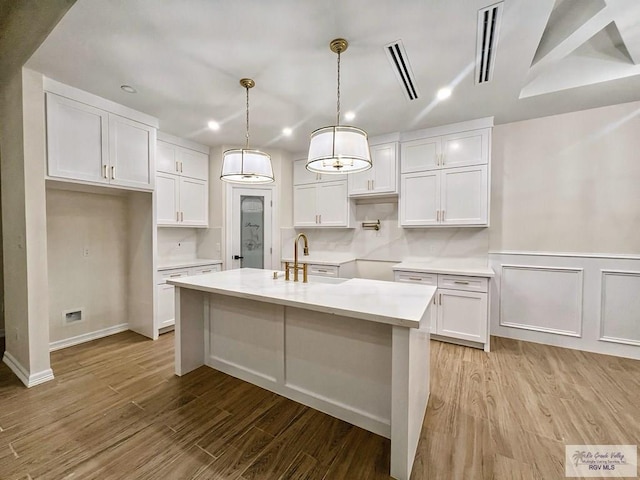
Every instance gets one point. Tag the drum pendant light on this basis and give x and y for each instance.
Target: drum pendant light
(338, 148)
(243, 165)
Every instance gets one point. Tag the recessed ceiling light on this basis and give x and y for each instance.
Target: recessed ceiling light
(213, 125)
(444, 93)
(128, 89)
(287, 131)
(349, 116)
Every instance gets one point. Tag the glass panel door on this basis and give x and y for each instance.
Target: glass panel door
(251, 231)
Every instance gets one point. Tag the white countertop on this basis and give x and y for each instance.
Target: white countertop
(196, 262)
(392, 303)
(322, 258)
(473, 267)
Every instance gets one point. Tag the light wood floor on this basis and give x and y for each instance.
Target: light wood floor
(116, 411)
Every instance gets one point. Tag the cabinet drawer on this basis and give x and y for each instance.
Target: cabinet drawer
(165, 275)
(323, 270)
(417, 277)
(470, 284)
(205, 269)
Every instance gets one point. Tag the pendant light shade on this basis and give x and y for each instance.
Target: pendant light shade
(243, 165)
(339, 148)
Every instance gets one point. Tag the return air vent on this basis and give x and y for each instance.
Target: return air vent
(488, 27)
(400, 64)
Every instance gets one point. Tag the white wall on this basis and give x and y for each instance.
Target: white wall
(568, 183)
(97, 283)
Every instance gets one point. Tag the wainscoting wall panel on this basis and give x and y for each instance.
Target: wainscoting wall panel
(584, 302)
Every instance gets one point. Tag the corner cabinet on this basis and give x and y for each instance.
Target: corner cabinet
(382, 177)
(444, 180)
(320, 201)
(90, 145)
(182, 186)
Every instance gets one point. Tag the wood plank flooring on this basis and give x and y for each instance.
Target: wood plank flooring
(116, 411)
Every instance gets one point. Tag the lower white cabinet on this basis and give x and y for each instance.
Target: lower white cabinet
(460, 310)
(338, 270)
(165, 293)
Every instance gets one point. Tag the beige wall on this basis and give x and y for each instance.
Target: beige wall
(568, 183)
(97, 282)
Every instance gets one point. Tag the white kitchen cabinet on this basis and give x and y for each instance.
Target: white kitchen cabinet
(447, 197)
(382, 177)
(323, 204)
(325, 269)
(182, 185)
(303, 176)
(460, 306)
(91, 145)
(182, 161)
(452, 150)
(165, 293)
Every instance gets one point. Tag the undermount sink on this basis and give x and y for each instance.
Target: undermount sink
(321, 279)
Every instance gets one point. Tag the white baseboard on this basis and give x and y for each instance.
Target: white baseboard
(87, 337)
(29, 379)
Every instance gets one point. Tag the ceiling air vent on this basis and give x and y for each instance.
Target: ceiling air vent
(488, 27)
(400, 63)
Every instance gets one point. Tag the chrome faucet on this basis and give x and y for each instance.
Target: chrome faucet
(295, 266)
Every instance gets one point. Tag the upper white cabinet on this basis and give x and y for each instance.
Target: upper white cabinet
(444, 180)
(320, 201)
(303, 176)
(445, 151)
(182, 184)
(92, 145)
(382, 177)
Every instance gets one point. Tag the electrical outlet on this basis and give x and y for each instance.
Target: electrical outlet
(85, 252)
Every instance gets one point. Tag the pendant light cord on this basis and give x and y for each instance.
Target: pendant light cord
(247, 143)
(338, 106)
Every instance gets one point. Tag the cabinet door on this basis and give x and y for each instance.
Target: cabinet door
(464, 196)
(462, 315)
(167, 199)
(77, 145)
(301, 175)
(194, 202)
(131, 153)
(304, 206)
(465, 148)
(166, 157)
(420, 199)
(385, 170)
(423, 154)
(333, 204)
(360, 183)
(166, 305)
(192, 164)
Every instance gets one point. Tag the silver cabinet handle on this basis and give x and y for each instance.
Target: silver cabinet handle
(321, 271)
(461, 282)
(434, 299)
(113, 172)
(182, 216)
(372, 185)
(443, 215)
(205, 271)
(177, 216)
(440, 298)
(417, 279)
(320, 219)
(442, 159)
(104, 171)
(177, 166)
(175, 275)
(437, 215)
(180, 167)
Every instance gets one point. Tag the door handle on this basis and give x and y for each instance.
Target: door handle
(238, 257)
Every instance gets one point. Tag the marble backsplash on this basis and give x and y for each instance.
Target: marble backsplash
(176, 244)
(391, 242)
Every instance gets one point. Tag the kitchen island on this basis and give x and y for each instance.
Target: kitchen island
(353, 348)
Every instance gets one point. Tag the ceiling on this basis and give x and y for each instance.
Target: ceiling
(185, 59)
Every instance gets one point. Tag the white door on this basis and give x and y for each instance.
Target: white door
(77, 144)
(465, 148)
(193, 164)
(384, 171)
(166, 305)
(360, 183)
(420, 198)
(462, 315)
(305, 213)
(332, 206)
(194, 202)
(251, 234)
(464, 195)
(166, 157)
(423, 154)
(167, 198)
(131, 153)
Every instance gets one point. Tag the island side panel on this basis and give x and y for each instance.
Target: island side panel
(191, 306)
(410, 394)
